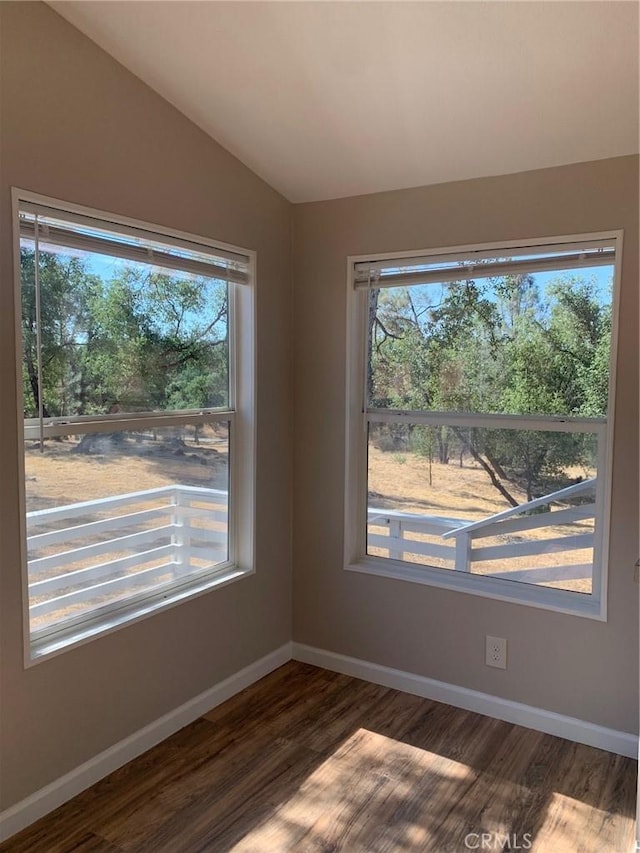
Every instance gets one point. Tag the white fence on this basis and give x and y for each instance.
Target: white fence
(85, 554)
(455, 538)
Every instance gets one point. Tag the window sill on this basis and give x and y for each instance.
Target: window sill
(545, 598)
(45, 647)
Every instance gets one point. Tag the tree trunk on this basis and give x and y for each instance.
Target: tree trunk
(443, 446)
(485, 465)
(33, 382)
(497, 467)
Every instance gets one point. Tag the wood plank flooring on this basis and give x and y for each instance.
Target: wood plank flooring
(308, 760)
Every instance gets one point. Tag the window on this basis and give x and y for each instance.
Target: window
(136, 380)
(479, 397)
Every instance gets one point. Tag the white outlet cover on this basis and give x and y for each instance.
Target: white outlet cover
(496, 652)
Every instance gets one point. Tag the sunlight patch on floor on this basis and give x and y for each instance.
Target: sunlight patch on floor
(370, 777)
(571, 825)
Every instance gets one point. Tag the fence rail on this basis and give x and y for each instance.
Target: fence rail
(162, 535)
(456, 537)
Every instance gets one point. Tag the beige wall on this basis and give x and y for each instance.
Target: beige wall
(78, 126)
(567, 664)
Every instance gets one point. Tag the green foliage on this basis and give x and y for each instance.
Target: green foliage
(138, 340)
(64, 285)
(496, 346)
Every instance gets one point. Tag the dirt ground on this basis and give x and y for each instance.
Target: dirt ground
(62, 475)
(400, 481)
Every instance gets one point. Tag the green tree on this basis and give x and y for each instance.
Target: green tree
(138, 340)
(497, 345)
(65, 287)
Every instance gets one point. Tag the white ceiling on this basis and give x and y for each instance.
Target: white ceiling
(331, 99)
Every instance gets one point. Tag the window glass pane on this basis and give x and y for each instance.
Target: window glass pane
(427, 483)
(121, 336)
(111, 516)
(518, 344)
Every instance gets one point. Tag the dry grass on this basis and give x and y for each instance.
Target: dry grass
(61, 475)
(400, 481)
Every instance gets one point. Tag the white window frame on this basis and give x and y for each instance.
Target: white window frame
(241, 416)
(356, 559)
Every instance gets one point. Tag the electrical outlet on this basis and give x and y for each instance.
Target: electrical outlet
(496, 652)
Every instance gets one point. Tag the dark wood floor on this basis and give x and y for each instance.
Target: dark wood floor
(309, 760)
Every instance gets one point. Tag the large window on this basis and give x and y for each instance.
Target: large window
(480, 413)
(136, 362)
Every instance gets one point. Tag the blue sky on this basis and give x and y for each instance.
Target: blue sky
(603, 277)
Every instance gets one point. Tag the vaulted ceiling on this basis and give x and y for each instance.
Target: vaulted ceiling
(331, 99)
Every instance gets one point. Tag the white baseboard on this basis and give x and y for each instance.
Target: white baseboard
(47, 799)
(581, 731)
